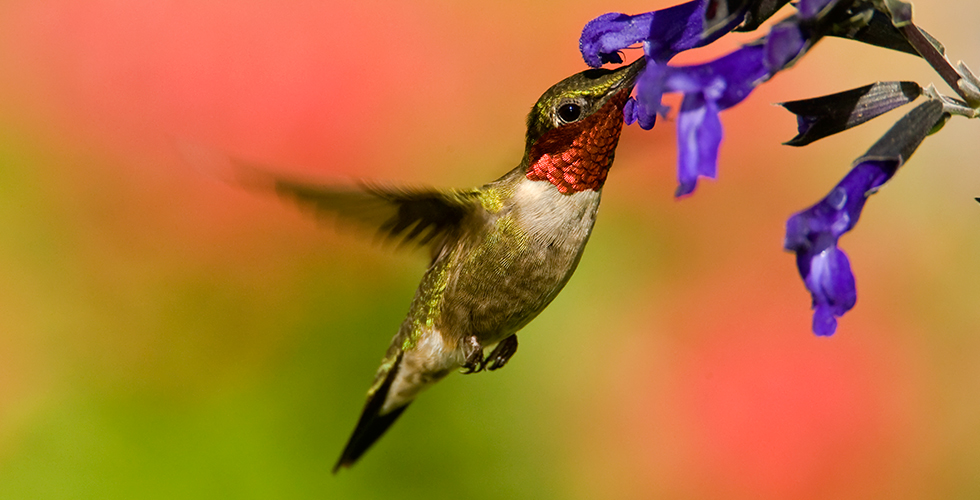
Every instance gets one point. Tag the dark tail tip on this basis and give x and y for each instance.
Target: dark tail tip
(372, 425)
(366, 433)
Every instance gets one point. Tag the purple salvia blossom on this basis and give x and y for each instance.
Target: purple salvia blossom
(813, 235)
(708, 88)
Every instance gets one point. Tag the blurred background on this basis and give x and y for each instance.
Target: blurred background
(166, 335)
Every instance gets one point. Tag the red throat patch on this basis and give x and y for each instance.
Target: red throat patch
(577, 156)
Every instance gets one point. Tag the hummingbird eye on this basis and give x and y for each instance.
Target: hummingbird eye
(569, 112)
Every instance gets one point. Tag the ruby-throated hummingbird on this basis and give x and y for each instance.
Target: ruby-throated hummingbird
(500, 252)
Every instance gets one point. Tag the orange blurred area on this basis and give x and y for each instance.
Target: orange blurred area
(166, 334)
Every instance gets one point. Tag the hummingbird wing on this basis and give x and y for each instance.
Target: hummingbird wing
(418, 217)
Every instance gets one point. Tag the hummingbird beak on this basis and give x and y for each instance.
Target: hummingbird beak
(623, 78)
(626, 75)
(610, 82)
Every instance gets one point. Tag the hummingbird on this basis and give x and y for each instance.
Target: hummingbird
(500, 253)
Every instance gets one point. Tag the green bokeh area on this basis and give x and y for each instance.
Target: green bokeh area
(153, 366)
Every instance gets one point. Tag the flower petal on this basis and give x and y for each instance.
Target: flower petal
(649, 90)
(831, 285)
(708, 88)
(699, 135)
(676, 29)
(741, 71)
(629, 111)
(664, 33)
(609, 33)
(783, 45)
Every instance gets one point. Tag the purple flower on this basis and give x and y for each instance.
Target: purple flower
(664, 33)
(708, 88)
(813, 235)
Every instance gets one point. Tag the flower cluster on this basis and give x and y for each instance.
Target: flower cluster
(714, 86)
(707, 88)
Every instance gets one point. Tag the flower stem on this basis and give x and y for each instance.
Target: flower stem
(936, 59)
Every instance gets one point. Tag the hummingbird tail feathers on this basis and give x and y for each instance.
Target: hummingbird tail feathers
(372, 424)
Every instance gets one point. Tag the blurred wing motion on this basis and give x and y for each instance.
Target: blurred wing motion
(422, 217)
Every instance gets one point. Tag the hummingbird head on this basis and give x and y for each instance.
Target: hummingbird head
(573, 130)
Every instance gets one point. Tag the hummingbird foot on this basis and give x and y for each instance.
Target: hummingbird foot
(475, 362)
(502, 353)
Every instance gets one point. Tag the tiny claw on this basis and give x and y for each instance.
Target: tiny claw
(502, 353)
(474, 356)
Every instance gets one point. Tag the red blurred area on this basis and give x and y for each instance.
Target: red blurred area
(290, 82)
(738, 401)
(789, 418)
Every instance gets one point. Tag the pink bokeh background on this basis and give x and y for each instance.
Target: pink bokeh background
(149, 310)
